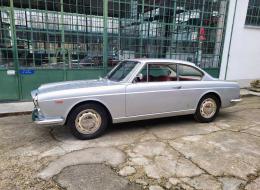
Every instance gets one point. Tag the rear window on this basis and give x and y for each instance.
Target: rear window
(189, 73)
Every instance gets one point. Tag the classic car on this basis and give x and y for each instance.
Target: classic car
(136, 89)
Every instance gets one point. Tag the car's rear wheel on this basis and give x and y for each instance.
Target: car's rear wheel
(207, 109)
(88, 121)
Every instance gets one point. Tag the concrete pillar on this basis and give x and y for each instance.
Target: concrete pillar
(228, 38)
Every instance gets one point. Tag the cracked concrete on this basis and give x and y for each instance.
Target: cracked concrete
(111, 156)
(98, 176)
(170, 153)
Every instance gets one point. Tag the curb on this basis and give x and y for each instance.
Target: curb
(15, 113)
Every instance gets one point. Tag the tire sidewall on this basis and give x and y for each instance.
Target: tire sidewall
(73, 115)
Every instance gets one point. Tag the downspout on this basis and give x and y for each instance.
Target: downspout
(232, 29)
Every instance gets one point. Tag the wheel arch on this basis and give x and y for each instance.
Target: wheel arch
(214, 93)
(89, 101)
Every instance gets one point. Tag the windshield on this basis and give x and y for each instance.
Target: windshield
(121, 70)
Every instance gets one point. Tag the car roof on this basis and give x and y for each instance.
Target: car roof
(162, 61)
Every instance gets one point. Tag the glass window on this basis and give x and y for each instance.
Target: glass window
(253, 13)
(189, 73)
(159, 73)
(121, 70)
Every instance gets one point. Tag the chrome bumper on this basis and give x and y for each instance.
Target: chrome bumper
(41, 120)
(234, 101)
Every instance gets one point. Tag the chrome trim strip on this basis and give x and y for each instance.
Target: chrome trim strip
(236, 100)
(154, 114)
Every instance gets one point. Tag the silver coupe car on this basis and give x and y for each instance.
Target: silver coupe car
(136, 89)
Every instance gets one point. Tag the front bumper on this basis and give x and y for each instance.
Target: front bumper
(38, 118)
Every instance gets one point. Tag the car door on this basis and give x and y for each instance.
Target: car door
(158, 92)
(190, 79)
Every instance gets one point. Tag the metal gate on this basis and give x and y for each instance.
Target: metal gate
(45, 41)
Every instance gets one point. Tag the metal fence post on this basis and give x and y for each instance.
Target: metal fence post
(105, 37)
(14, 48)
(142, 29)
(63, 40)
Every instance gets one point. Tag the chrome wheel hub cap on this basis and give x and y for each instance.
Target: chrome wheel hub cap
(88, 121)
(208, 108)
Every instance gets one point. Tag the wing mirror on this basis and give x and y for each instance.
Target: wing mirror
(139, 77)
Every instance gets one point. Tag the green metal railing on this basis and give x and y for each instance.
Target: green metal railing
(77, 36)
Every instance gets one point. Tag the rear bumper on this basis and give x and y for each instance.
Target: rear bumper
(39, 119)
(235, 100)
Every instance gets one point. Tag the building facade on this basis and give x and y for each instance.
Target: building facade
(45, 41)
(241, 54)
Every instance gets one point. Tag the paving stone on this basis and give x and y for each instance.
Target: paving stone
(223, 152)
(110, 156)
(204, 182)
(114, 138)
(174, 181)
(255, 130)
(141, 181)
(168, 185)
(178, 184)
(150, 148)
(181, 128)
(127, 170)
(92, 177)
(155, 187)
(139, 161)
(166, 167)
(230, 183)
(55, 151)
(254, 185)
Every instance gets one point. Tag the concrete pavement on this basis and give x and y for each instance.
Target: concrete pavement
(169, 153)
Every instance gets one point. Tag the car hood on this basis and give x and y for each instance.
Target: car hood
(70, 85)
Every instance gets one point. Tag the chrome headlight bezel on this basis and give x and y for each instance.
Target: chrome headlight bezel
(35, 100)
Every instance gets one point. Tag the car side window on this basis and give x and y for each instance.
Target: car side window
(159, 73)
(189, 73)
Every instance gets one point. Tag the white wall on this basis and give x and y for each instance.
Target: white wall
(243, 61)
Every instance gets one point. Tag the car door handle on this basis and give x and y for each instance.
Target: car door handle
(176, 87)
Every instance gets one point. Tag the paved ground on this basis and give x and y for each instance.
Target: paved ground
(172, 153)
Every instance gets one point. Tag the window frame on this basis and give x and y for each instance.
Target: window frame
(195, 68)
(167, 65)
(250, 15)
(155, 63)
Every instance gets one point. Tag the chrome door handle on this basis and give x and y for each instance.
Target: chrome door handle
(176, 87)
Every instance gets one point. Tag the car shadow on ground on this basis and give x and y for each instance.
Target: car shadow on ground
(151, 124)
(163, 122)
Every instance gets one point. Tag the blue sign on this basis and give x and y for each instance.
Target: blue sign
(26, 71)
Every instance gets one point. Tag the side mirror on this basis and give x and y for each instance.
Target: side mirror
(139, 77)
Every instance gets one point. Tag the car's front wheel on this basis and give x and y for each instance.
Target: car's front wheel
(88, 121)
(207, 109)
